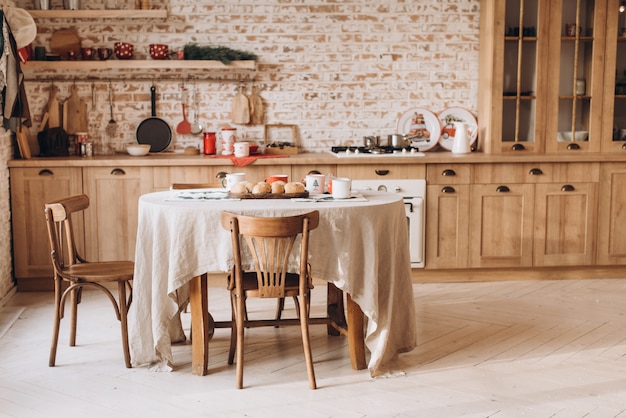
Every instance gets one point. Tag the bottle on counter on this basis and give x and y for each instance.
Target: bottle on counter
(209, 143)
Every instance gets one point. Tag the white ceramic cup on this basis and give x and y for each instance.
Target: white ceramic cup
(231, 179)
(341, 188)
(315, 183)
(242, 149)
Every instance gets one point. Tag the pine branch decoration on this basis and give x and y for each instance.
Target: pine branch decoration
(217, 53)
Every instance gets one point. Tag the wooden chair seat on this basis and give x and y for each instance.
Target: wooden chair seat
(70, 267)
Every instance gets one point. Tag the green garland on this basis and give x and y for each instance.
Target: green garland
(217, 53)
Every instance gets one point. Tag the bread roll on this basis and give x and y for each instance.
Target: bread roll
(278, 187)
(294, 187)
(261, 188)
(239, 188)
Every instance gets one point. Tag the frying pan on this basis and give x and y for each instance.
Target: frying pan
(154, 131)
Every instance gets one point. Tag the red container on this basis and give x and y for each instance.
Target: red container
(209, 143)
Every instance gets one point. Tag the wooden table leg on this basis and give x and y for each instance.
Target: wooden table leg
(200, 329)
(356, 336)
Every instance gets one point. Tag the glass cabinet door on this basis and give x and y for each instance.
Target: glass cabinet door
(520, 68)
(576, 66)
(614, 115)
(512, 80)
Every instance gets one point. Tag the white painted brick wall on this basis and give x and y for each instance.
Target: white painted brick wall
(337, 69)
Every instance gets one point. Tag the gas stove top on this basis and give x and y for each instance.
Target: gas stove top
(355, 152)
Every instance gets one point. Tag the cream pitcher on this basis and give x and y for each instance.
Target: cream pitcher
(461, 143)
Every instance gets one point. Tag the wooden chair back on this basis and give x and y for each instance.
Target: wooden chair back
(270, 242)
(58, 214)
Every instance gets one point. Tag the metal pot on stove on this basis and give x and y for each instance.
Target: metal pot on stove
(371, 141)
(399, 141)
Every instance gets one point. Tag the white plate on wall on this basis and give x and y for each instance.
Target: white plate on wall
(456, 114)
(431, 128)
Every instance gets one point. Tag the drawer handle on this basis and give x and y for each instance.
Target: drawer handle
(567, 188)
(448, 189)
(624, 146)
(502, 189)
(518, 147)
(220, 175)
(46, 172)
(118, 172)
(381, 172)
(448, 172)
(535, 172)
(314, 172)
(573, 146)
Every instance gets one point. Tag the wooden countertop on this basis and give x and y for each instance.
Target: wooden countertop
(312, 158)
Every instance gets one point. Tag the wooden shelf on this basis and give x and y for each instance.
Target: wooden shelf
(200, 69)
(99, 14)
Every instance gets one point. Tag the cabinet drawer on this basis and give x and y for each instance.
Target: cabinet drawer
(536, 173)
(382, 171)
(448, 174)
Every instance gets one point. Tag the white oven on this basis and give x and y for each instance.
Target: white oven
(414, 194)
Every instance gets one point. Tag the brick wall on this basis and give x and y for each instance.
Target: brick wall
(339, 69)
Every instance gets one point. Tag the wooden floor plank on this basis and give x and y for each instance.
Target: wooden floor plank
(553, 348)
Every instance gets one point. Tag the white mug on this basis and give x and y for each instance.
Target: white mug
(231, 179)
(315, 183)
(341, 188)
(242, 149)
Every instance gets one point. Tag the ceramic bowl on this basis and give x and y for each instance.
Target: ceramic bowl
(123, 50)
(578, 136)
(159, 51)
(138, 150)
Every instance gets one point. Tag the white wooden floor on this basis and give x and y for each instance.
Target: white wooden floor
(505, 349)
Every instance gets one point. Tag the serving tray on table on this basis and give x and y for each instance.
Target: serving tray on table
(268, 195)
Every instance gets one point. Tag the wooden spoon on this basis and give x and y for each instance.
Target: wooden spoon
(184, 127)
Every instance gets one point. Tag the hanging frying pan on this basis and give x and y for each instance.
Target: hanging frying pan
(154, 131)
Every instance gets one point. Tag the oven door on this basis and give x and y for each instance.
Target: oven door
(414, 207)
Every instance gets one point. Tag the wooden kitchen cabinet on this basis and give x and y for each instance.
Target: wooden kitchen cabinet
(31, 188)
(501, 225)
(565, 231)
(539, 82)
(612, 215)
(382, 171)
(111, 220)
(447, 216)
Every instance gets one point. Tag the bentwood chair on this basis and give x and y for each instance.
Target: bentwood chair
(270, 242)
(70, 268)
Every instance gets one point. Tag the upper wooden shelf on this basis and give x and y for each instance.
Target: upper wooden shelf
(98, 14)
(113, 68)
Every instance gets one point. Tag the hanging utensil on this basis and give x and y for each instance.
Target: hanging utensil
(54, 116)
(184, 127)
(197, 127)
(256, 107)
(154, 131)
(241, 108)
(112, 125)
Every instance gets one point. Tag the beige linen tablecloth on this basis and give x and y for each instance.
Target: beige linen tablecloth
(360, 246)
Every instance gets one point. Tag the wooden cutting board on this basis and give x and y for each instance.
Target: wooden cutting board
(54, 116)
(256, 107)
(75, 113)
(63, 41)
(241, 108)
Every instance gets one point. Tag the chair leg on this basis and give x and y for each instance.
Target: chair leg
(239, 317)
(123, 306)
(306, 341)
(280, 305)
(57, 322)
(75, 299)
(233, 330)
